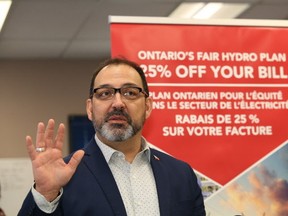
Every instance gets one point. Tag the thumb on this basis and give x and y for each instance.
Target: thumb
(76, 159)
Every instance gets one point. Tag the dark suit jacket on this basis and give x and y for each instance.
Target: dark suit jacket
(92, 191)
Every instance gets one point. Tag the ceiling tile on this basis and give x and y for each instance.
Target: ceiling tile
(266, 12)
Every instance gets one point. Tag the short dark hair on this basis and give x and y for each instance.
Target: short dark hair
(119, 61)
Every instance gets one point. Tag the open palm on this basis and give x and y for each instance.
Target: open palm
(50, 171)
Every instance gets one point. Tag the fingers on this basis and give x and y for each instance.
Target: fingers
(30, 148)
(76, 159)
(49, 134)
(59, 140)
(40, 142)
(45, 137)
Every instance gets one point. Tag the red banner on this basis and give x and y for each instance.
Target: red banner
(220, 90)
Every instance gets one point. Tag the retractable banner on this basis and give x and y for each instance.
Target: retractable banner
(220, 99)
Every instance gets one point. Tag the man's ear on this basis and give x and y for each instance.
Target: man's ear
(89, 108)
(149, 104)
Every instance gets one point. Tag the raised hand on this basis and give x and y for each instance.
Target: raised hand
(50, 171)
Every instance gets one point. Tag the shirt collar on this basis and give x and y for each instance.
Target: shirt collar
(108, 151)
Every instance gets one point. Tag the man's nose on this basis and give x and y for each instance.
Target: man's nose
(117, 100)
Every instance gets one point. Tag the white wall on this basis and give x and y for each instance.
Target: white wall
(16, 180)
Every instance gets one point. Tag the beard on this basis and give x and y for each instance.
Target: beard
(117, 132)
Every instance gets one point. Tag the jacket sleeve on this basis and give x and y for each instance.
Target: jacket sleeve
(30, 208)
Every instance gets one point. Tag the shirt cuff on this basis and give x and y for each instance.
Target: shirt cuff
(43, 204)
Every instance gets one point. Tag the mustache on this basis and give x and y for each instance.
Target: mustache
(118, 112)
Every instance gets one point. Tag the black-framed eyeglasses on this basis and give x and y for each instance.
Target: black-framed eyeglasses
(129, 93)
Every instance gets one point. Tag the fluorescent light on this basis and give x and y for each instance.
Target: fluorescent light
(4, 8)
(186, 10)
(202, 10)
(208, 11)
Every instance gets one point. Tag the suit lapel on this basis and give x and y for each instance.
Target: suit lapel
(96, 163)
(162, 183)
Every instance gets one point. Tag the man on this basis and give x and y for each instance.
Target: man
(117, 173)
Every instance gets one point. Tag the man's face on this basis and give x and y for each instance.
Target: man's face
(117, 118)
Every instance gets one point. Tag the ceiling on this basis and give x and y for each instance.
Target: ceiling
(79, 29)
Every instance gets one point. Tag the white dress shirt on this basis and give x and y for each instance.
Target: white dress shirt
(135, 182)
